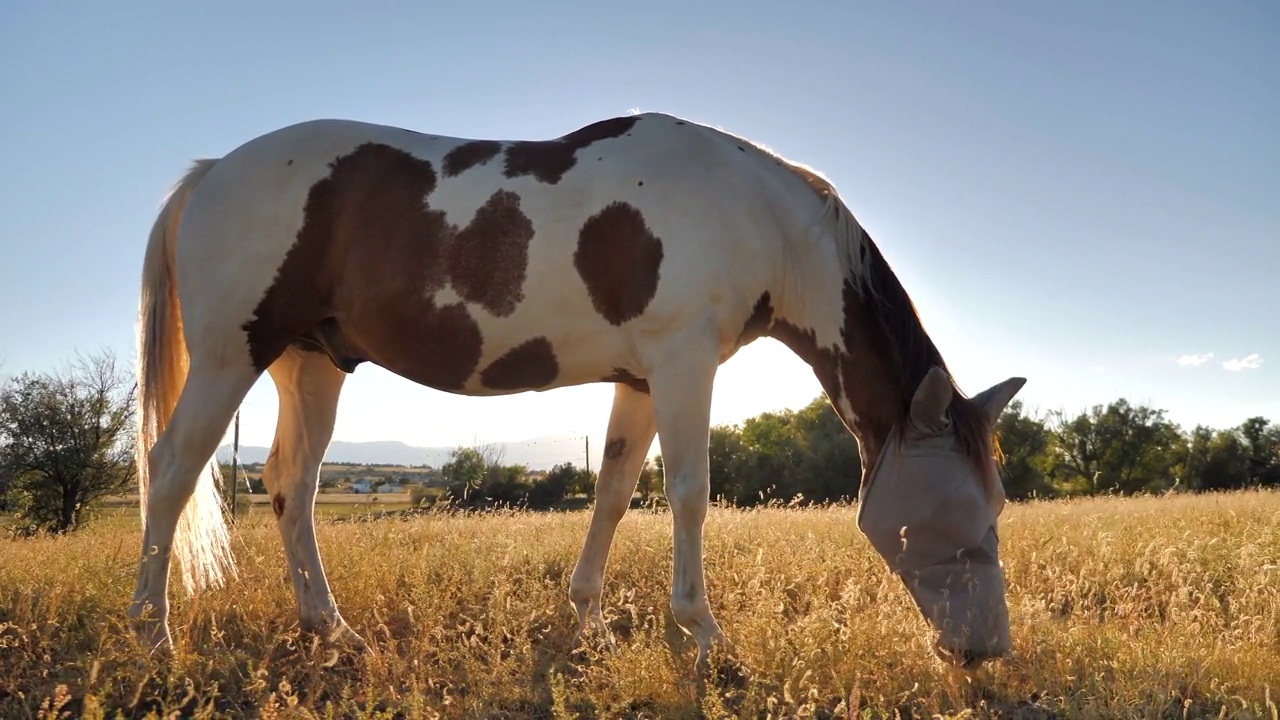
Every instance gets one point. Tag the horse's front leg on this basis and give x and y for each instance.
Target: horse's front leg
(631, 431)
(681, 384)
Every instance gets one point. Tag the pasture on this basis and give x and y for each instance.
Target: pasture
(1121, 608)
(260, 503)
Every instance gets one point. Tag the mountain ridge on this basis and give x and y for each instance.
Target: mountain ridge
(539, 453)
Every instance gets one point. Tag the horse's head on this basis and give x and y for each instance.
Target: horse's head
(929, 507)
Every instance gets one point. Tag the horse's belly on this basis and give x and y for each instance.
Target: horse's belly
(454, 348)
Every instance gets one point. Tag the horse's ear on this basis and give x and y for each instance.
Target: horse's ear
(930, 402)
(994, 399)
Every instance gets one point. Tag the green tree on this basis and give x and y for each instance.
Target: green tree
(650, 481)
(1262, 440)
(504, 485)
(1026, 444)
(775, 457)
(576, 480)
(781, 456)
(1121, 448)
(476, 477)
(66, 440)
(1216, 460)
(6, 483)
(464, 473)
(549, 490)
(727, 454)
(830, 467)
(234, 487)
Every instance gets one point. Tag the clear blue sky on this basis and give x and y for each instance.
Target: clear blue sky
(1081, 193)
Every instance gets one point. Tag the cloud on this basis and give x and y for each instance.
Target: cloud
(1097, 369)
(1248, 362)
(1194, 360)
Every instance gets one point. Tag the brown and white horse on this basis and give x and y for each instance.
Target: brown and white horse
(642, 250)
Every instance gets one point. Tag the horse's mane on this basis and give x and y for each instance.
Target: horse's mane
(890, 315)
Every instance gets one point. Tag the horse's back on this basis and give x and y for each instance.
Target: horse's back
(479, 265)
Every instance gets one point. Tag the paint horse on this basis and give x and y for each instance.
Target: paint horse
(641, 250)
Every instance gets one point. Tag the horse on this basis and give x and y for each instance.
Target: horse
(642, 250)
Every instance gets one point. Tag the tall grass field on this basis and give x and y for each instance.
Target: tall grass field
(1151, 607)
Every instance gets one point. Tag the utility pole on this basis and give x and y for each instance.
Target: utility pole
(586, 439)
(235, 468)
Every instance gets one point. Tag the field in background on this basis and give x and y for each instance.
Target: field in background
(324, 501)
(1150, 607)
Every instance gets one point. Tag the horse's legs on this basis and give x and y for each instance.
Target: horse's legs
(209, 399)
(681, 384)
(308, 385)
(631, 431)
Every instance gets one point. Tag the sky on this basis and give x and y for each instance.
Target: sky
(1084, 194)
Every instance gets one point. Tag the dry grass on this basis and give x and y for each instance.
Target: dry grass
(324, 498)
(1164, 607)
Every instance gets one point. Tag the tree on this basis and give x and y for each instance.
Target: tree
(775, 455)
(831, 465)
(782, 455)
(1121, 447)
(1216, 460)
(650, 481)
(576, 480)
(476, 477)
(66, 440)
(1262, 440)
(6, 482)
(505, 485)
(728, 463)
(464, 473)
(549, 490)
(235, 484)
(1026, 444)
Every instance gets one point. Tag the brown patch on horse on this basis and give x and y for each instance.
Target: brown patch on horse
(614, 448)
(442, 350)
(277, 505)
(882, 327)
(531, 364)
(490, 255)
(626, 377)
(757, 324)
(825, 361)
(326, 338)
(367, 263)
(618, 258)
(469, 154)
(849, 376)
(549, 160)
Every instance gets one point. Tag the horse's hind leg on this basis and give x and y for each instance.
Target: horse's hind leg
(308, 385)
(205, 408)
(631, 432)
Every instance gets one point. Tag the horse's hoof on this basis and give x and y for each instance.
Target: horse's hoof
(731, 674)
(153, 636)
(594, 634)
(342, 637)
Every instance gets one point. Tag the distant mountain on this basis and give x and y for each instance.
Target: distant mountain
(537, 453)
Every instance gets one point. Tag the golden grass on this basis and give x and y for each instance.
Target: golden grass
(1144, 608)
(324, 498)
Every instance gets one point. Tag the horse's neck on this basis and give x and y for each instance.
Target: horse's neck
(825, 322)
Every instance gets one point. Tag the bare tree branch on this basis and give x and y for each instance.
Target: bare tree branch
(66, 439)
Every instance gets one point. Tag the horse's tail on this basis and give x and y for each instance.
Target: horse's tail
(201, 542)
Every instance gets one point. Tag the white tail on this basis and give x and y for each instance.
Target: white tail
(201, 543)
